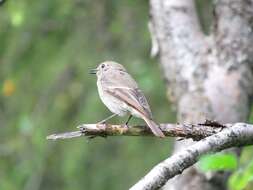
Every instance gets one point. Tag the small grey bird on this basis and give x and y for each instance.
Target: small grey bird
(121, 94)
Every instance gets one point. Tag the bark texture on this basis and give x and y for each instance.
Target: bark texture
(193, 131)
(237, 135)
(207, 76)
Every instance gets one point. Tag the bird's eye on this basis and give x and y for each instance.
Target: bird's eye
(103, 66)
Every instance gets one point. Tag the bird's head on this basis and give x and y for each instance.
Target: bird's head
(107, 67)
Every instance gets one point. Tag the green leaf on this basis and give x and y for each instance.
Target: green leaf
(241, 178)
(221, 161)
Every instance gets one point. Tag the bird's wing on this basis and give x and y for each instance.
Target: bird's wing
(132, 97)
(122, 86)
(143, 101)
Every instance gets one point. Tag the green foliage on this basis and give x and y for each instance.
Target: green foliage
(241, 178)
(219, 161)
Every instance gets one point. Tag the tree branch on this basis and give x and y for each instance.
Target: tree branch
(193, 131)
(239, 134)
(215, 137)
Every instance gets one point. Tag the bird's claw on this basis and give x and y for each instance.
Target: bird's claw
(126, 125)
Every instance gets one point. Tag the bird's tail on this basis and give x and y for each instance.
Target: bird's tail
(154, 127)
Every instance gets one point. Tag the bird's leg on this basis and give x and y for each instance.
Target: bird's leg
(104, 120)
(129, 118)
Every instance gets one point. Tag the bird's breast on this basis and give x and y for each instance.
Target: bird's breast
(112, 103)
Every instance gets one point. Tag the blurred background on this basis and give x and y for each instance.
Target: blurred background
(46, 50)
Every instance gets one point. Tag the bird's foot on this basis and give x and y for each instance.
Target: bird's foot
(126, 126)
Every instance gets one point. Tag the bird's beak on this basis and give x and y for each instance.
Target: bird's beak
(93, 71)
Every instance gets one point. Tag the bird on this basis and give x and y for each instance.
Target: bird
(121, 95)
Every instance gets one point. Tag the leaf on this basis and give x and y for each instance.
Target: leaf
(221, 161)
(241, 178)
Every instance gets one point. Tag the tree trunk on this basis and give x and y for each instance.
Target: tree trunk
(207, 77)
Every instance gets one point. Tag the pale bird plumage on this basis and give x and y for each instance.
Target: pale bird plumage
(121, 94)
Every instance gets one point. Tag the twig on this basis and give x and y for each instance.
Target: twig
(194, 131)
